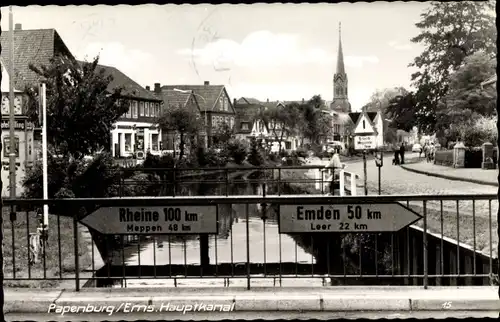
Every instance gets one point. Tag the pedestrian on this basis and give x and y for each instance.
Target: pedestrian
(334, 166)
(402, 152)
(432, 151)
(395, 161)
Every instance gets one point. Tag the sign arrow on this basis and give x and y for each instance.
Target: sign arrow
(347, 218)
(153, 220)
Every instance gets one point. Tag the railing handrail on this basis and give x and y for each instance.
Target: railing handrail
(303, 167)
(242, 199)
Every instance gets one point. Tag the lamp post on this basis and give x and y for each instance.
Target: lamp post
(206, 119)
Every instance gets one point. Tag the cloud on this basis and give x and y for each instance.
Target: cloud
(360, 61)
(116, 55)
(258, 49)
(398, 46)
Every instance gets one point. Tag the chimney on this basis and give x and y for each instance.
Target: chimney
(157, 88)
(207, 83)
(234, 102)
(148, 88)
(18, 26)
(302, 101)
(268, 100)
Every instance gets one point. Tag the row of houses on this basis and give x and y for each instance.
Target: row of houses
(136, 132)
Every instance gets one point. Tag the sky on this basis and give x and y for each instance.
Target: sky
(264, 51)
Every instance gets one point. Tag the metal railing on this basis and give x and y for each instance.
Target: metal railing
(451, 245)
(224, 181)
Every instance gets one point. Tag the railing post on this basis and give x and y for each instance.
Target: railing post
(77, 257)
(342, 183)
(248, 244)
(227, 182)
(426, 268)
(279, 181)
(174, 181)
(322, 182)
(354, 185)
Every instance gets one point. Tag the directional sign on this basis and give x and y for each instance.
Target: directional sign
(345, 218)
(153, 220)
(365, 142)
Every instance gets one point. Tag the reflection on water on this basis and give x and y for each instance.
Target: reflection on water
(229, 246)
(225, 250)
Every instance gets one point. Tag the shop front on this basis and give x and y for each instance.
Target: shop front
(135, 140)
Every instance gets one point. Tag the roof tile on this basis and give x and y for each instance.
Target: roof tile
(130, 87)
(210, 93)
(35, 47)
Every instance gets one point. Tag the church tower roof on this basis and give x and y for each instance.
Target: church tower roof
(340, 56)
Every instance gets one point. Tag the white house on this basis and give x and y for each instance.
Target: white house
(136, 132)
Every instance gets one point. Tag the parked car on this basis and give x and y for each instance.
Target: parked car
(416, 148)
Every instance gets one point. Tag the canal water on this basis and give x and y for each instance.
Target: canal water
(228, 247)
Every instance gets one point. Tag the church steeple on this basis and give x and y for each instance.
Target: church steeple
(340, 96)
(340, 56)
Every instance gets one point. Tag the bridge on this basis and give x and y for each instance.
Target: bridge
(245, 241)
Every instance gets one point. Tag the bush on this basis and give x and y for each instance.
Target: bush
(444, 157)
(479, 131)
(302, 153)
(255, 156)
(97, 178)
(237, 150)
(215, 157)
(273, 156)
(473, 158)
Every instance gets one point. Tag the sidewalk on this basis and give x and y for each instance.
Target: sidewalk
(479, 176)
(326, 299)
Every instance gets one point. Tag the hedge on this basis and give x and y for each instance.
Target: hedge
(444, 157)
(473, 157)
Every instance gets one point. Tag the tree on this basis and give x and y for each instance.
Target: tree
(81, 110)
(255, 157)
(182, 121)
(466, 100)
(450, 31)
(222, 134)
(382, 100)
(317, 124)
(80, 115)
(401, 112)
(237, 150)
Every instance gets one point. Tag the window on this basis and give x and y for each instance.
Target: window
(128, 114)
(244, 126)
(134, 109)
(170, 141)
(221, 102)
(146, 110)
(231, 122)
(128, 142)
(288, 145)
(141, 109)
(154, 142)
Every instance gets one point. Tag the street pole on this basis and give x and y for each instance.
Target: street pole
(2, 318)
(380, 173)
(12, 141)
(364, 173)
(206, 130)
(43, 96)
